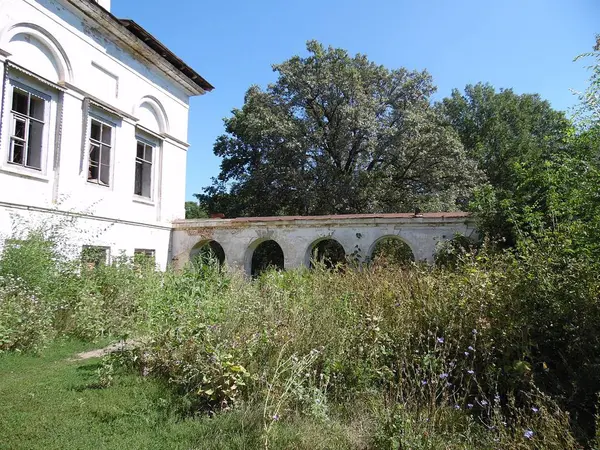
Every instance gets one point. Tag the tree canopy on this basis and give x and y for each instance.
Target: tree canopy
(339, 134)
(512, 138)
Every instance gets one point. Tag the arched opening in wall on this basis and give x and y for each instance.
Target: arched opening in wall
(267, 255)
(207, 253)
(327, 252)
(391, 250)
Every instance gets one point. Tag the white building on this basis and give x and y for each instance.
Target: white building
(93, 125)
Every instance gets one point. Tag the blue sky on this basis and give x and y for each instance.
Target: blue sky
(527, 45)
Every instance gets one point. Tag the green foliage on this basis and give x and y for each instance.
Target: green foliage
(414, 346)
(504, 133)
(194, 211)
(588, 112)
(338, 134)
(25, 321)
(392, 251)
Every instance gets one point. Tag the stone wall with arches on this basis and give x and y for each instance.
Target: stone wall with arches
(358, 235)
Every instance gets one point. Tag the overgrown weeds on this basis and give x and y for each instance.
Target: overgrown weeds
(496, 350)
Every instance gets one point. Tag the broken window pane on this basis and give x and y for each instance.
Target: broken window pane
(94, 153)
(19, 128)
(18, 152)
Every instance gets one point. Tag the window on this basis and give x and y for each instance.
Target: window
(142, 254)
(100, 153)
(94, 256)
(143, 169)
(144, 257)
(28, 117)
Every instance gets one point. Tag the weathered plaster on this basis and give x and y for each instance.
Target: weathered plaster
(297, 236)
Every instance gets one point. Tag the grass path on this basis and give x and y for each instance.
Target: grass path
(50, 402)
(46, 402)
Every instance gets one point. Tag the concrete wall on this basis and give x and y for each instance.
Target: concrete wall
(55, 41)
(297, 237)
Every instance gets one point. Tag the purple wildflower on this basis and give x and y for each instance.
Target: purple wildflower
(456, 406)
(469, 405)
(474, 331)
(484, 402)
(440, 340)
(528, 434)
(466, 353)
(470, 347)
(444, 376)
(424, 382)
(470, 372)
(276, 417)
(534, 409)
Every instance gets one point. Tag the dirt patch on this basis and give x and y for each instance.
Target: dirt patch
(99, 353)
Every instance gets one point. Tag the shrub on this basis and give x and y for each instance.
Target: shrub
(25, 321)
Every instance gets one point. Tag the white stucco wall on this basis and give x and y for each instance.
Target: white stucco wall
(55, 41)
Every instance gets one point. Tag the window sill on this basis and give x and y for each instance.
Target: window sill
(143, 200)
(24, 172)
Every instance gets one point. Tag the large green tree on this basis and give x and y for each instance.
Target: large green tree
(339, 134)
(514, 139)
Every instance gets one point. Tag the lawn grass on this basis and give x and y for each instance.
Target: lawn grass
(50, 401)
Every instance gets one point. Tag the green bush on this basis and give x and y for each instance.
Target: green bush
(25, 320)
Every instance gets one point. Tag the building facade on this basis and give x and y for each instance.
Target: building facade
(93, 127)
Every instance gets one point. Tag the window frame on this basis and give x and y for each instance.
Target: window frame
(20, 83)
(96, 116)
(154, 146)
(149, 139)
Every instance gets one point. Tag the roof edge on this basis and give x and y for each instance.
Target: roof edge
(164, 52)
(167, 62)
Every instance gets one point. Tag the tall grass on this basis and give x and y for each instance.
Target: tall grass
(496, 350)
